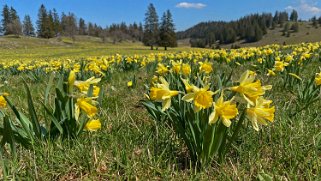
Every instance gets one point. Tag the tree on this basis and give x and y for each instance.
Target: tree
(14, 25)
(82, 27)
(69, 25)
(151, 32)
(28, 29)
(294, 16)
(5, 19)
(314, 21)
(44, 23)
(56, 23)
(167, 31)
(10, 21)
(283, 17)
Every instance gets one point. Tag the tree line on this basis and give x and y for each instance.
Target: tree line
(250, 28)
(50, 24)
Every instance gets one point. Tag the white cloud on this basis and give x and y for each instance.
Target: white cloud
(309, 8)
(305, 8)
(191, 5)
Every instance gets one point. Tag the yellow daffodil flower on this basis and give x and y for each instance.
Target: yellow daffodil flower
(249, 89)
(225, 110)
(3, 102)
(201, 97)
(162, 93)
(317, 79)
(206, 67)
(86, 105)
(280, 66)
(161, 69)
(93, 125)
(261, 113)
(129, 83)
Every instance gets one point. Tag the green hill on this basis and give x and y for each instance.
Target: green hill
(13, 47)
(307, 33)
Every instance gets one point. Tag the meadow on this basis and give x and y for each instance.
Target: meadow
(123, 112)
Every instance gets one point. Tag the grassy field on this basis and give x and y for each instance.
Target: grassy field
(35, 48)
(132, 146)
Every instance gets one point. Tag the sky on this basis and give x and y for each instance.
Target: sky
(186, 13)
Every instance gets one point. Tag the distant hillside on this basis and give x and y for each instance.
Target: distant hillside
(307, 33)
(252, 30)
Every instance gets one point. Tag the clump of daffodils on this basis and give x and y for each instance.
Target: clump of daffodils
(201, 111)
(86, 103)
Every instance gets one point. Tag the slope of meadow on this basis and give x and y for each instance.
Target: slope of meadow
(135, 144)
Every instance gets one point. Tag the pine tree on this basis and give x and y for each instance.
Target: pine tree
(50, 25)
(314, 21)
(167, 31)
(14, 26)
(82, 27)
(43, 29)
(10, 21)
(294, 16)
(5, 19)
(151, 32)
(56, 23)
(28, 29)
(69, 25)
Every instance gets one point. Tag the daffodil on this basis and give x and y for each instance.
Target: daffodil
(93, 125)
(161, 69)
(83, 86)
(260, 113)
(249, 89)
(3, 102)
(270, 73)
(186, 69)
(129, 83)
(225, 110)
(317, 79)
(188, 86)
(72, 78)
(206, 67)
(280, 66)
(85, 104)
(176, 67)
(201, 97)
(162, 93)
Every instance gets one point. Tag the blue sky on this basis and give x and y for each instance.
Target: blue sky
(185, 13)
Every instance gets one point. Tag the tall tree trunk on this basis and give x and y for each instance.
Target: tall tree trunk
(165, 48)
(151, 47)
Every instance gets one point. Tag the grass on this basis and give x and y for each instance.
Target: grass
(129, 148)
(13, 48)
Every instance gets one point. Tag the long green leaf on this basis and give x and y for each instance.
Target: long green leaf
(32, 112)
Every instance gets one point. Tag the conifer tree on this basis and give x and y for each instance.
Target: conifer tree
(167, 31)
(294, 16)
(5, 18)
(28, 29)
(14, 27)
(82, 27)
(151, 32)
(43, 23)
